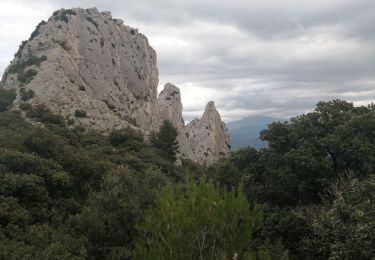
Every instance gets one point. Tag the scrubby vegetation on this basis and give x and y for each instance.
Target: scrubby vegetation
(83, 195)
(63, 15)
(80, 113)
(6, 98)
(91, 20)
(25, 76)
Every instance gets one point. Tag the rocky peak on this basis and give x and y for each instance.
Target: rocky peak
(100, 74)
(208, 136)
(170, 105)
(89, 62)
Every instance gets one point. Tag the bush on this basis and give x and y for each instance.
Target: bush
(126, 137)
(200, 222)
(6, 98)
(20, 66)
(19, 52)
(26, 76)
(63, 15)
(27, 95)
(45, 115)
(80, 113)
(25, 106)
(82, 88)
(91, 20)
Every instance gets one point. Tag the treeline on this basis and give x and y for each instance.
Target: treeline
(75, 194)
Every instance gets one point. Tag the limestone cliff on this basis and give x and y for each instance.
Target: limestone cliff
(91, 63)
(100, 74)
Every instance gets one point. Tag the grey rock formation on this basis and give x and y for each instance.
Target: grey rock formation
(170, 106)
(202, 140)
(100, 74)
(208, 136)
(94, 64)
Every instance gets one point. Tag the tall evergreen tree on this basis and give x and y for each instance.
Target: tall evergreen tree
(165, 140)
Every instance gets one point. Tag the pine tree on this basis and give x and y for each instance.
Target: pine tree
(165, 140)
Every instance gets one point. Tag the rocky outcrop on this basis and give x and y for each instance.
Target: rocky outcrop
(202, 140)
(170, 106)
(100, 74)
(208, 137)
(90, 63)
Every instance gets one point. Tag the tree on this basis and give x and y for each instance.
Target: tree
(6, 98)
(343, 227)
(200, 222)
(165, 140)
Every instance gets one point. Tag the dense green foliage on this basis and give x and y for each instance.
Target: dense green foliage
(306, 156)
(65, 194)
(200, 222)
(6, 98)
(25, 75)
(344, 227)
(75, 194)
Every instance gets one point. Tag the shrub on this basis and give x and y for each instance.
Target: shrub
(82, 88)
(26, 76)
(20, 66)
(45, 115)
(25, 106)
(126, 137)
(80, 113)
(109, 105)
(22, 46)
(27, 95)
(199, 222)
(91, 20)
(63, 15)
(70, 121)
(36, 32)
(6, 98)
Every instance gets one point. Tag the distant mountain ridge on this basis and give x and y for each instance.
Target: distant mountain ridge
(245, 132)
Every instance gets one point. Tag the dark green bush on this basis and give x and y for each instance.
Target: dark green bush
(45, 115)
(6, 98)
(80, 113)
(91, 20)
(25, 106)
(126, 137)
(82, 88)
(22, 46)
(20, 66)
(63, 15)
(36, 32)
(26, 76)
(27, 95)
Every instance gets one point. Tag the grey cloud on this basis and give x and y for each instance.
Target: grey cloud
(256, 57)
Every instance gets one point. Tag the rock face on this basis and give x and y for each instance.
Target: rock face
(208, 136)
(170, 106)
(93, 64)
(100, 74)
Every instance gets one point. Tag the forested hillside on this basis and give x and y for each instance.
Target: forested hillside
(76, 194)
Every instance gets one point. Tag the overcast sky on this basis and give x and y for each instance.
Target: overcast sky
(252, 57)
